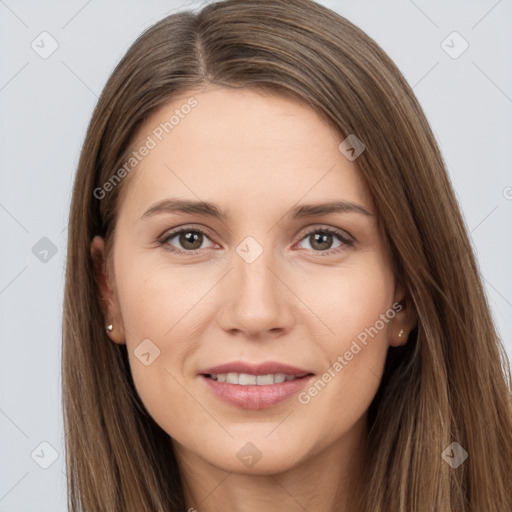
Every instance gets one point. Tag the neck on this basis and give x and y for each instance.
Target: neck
(322, 482)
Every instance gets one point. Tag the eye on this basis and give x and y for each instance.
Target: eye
(191, 240)
(324, 240)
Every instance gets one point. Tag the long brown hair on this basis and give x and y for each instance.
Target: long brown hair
(450, 383)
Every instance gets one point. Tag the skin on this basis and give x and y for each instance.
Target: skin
(256, 156)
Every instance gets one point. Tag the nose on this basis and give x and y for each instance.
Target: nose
(259, 303)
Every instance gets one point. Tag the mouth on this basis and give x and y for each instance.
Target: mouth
(256, 386)
(247, 379)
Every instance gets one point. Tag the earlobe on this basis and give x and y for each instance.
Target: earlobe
(400, 339)
(106, 295)
(404, 321)
(399, 333)
(115, 332)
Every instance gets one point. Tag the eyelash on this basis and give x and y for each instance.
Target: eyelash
(346, 242)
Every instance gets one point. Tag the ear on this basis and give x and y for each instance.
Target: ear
(405, 318)
(106, 289)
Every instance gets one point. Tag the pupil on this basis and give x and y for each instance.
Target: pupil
(321, 238)
(191, 238)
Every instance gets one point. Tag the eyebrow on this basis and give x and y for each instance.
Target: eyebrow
(172, 205)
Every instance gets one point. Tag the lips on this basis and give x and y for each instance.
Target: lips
(269, 367)
(247, 379)
(255, 386)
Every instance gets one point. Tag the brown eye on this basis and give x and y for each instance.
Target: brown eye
(185, 240)
(321, 241)
(190, 240)
(327, 240)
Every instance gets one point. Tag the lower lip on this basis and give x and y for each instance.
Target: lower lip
(256, 397)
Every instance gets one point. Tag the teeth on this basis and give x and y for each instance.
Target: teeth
(232, 378)
(263, 380)
(246, 379)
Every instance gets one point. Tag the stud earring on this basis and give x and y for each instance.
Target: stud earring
(109, 328)
(400, 334)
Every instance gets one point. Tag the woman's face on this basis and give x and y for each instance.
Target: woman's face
(258, 287)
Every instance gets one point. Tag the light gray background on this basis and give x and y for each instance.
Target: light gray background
(46, 105)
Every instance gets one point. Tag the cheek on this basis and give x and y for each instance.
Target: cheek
(157, 299)
(355, 307)
(160, 310)
(344, 301)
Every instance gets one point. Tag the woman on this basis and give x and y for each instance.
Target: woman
(271, 299)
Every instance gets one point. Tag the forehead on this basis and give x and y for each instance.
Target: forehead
(246, 147)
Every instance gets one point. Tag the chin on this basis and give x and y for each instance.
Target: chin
(270, 464)
(257, 456)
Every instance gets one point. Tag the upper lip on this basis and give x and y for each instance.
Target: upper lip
(266, 368)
